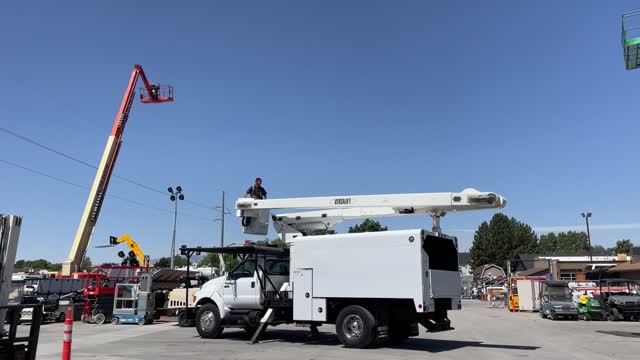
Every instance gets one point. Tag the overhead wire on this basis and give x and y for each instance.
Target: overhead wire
(72, 158)
(87, 188)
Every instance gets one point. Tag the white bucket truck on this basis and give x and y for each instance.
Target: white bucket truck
(374, 286)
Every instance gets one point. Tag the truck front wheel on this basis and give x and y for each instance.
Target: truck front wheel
(208, 321)
(355, 327)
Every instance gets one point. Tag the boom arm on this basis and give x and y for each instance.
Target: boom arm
(133, 246)
(338, 209)
(103, 175)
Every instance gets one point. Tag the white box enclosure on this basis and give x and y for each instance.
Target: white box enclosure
(391, 265)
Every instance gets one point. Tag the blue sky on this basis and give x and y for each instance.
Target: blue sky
(530, 100)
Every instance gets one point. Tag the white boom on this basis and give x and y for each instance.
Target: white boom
(256, 213)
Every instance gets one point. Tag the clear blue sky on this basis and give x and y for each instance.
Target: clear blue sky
(530, 100)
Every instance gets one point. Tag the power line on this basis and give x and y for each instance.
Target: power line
(86, 188)
(69, 157)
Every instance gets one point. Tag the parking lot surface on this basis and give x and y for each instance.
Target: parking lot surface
(481, 333)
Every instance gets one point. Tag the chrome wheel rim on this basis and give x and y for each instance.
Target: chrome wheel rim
(353, 326)
(208, 321)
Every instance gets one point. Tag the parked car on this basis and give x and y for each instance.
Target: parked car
(556, 301)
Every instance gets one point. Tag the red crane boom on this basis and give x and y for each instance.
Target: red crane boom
(149, 94)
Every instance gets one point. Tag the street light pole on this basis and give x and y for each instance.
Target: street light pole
(175, 196)
(586, 217)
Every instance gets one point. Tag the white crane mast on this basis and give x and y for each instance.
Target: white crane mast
(336, 209)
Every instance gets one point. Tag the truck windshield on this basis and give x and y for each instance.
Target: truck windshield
(559, 294)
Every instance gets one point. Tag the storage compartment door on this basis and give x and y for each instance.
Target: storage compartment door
(303, 294)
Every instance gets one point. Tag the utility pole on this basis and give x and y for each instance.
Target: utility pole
(586, 217)
(175, 196)
(222, 212)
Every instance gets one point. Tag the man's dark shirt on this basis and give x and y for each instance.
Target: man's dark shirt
(257, 192)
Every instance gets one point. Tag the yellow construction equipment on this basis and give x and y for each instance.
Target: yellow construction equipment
(135, 250)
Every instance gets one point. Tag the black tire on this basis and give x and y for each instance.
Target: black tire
(115, 320)
(185, 321)
(614, 314)
(142, 321)
(542, 315)
(587, 317)
(553, 316)
(99, 318)
(356, 327)
(61, 317)
(208, 321)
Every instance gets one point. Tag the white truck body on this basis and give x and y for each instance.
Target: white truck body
(381, 265)
(375, 286)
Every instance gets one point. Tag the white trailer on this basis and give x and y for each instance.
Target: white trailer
(374, 287)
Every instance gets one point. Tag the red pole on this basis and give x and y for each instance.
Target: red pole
(68, 330)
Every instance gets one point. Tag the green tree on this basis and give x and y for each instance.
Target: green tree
(213, 260)
(321, 232)
(39, 264)
(179, 261)
(623, 246)
(500, 240)
(163, 262)
(86, 264)
(569, 243)
(600, 250)
(367, 225)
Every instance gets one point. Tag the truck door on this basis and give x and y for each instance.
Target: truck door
(303, 294)
(242, 288)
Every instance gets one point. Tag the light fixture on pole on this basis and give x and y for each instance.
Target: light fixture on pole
(586, 217)
(175, 196)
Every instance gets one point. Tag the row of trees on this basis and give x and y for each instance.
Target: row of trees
(42, 264)
(503, 238)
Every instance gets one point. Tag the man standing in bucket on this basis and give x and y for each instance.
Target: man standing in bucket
(256, 191)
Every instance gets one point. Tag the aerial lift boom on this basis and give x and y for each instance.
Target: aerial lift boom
(256, 213)
(150, 93)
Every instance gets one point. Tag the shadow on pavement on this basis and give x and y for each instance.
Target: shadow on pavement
(330, 339)
(436, 346)
(620, 333)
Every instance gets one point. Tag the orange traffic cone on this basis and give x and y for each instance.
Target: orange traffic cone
(68, 330)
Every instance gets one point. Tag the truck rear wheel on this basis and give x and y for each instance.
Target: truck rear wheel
(355, 327)
(208, 321)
